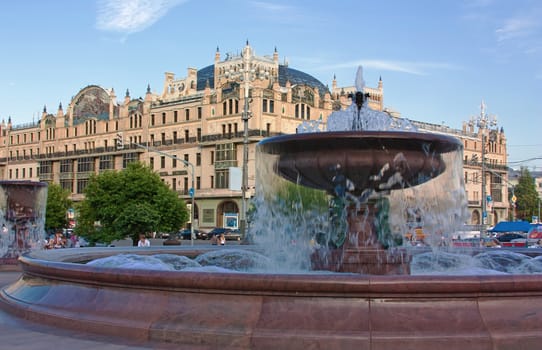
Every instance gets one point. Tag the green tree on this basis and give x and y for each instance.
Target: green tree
(58, 203)
(127, 203)
(527, 197)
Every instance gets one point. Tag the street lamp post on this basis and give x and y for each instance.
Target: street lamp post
(192, 192)
(484, 121)
(246, 75)
(247, 57)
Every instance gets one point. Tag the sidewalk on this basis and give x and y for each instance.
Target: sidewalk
(18, 334)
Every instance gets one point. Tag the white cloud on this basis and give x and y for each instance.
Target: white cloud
(415, 68)
(131, 16)
(517, 27)
(268, 6)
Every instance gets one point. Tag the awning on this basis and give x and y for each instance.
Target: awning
(512, 226)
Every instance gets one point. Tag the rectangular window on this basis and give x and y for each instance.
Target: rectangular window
(174, 162)
(152, 119)
(175, 137)
(151, 163)
(271, 106)
(264, 105)
(226, 156)
(212, 181)
(198, 182)
(85, 164)
(67, 184)
(66, 166)
(199, 134)
(162, 162)
(198, 159)
(163, 117)
(222, 178)
(46, 167)
(186, 138)
(175, 117)
(106, 162)
(199, 113)
(81, 185)
(187, 114)
(128, 158)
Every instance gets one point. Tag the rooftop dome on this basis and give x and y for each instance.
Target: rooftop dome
(285, 74)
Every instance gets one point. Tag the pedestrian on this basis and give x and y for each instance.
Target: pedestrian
(222, 239)
(143, 241)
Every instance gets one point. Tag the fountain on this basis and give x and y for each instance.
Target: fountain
(363, 157)
(357, 176)
(22, 210)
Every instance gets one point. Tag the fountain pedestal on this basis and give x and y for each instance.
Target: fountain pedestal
(22, 211)
(361, 251)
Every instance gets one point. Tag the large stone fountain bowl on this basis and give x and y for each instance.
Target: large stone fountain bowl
(216, 310)
(378, 160)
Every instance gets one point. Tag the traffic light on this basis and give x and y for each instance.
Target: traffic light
(119, 141)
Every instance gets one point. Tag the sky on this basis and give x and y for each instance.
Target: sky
(438, 60)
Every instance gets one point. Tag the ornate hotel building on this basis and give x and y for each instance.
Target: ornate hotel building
(197, 119)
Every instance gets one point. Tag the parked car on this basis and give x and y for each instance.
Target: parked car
(229, 234)
(185, 234)
(233, 235)
(164, 235)
(488, 242)
(492, 242)
(171, 240)
(508, 237)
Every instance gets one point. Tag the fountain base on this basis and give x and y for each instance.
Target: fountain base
(370, 261)
(275, 311)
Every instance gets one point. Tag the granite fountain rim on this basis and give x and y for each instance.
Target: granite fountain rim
(62, 264)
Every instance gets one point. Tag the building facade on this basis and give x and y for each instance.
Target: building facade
(197, 120)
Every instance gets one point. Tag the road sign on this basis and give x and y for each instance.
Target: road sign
(191, 192)
(488, 198)
(514, 199)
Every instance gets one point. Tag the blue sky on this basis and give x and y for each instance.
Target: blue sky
(438, 59)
